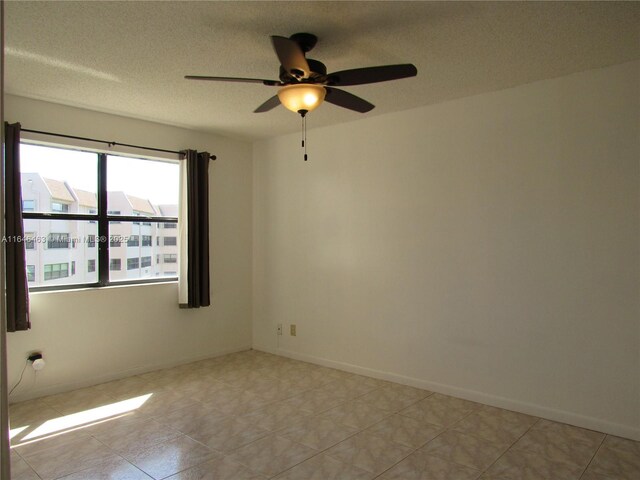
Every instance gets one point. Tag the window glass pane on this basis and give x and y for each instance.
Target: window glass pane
(140, 187)
(59, 248)
(58, 180)
(133, 259)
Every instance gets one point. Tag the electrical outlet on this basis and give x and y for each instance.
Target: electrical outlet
(293, 330)
(279, 329)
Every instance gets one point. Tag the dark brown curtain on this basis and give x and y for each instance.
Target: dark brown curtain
(197, 229)
(17, 290)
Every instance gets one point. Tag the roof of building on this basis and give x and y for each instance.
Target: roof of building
(59, 190)
(86, 198)
(168, 210)
(141, 204)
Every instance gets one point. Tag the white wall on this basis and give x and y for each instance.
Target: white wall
(486, 247)
(90, 336)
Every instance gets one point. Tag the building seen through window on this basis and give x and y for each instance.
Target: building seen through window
(64, 182)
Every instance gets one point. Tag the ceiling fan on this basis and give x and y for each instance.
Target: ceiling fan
(305, 83)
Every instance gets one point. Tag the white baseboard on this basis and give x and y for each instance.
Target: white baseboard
(88, 382)
(562, 416)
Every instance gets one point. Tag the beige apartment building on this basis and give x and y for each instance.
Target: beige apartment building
(66, 251)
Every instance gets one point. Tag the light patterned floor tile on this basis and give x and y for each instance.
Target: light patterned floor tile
(318, 432)
(620, 464)
(32, 413)
(440, 410)
(226, 434)
(355, 414)
(464, 449)
(189, 418)
(79, 400)
(495, 425)
(131, 438)
(561, 443)
(275, 416)
(623, 444)
(116, 469)
(316, 401)
(272, 455)
(323, 467)
(165, 401)
(20, 470)
(420, 466)
(173, 456)
(369, 452)
(523, 465)
(71, 457)
(405, 431)
(389, 399)
(220, 469)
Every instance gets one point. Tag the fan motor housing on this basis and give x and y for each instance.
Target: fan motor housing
(318, 70)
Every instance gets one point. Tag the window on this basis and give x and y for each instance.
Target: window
(170, 241)
(75, 200)
(133, 263)
(59, 207)
(170, 225)
(133, 241)
(157, 258)
(56, 270)
(31, 273)
(158, 241)
(30, 241)
(170, 258)
(58, 240)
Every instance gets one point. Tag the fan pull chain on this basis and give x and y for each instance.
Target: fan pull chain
(303, 114)
(304, 136)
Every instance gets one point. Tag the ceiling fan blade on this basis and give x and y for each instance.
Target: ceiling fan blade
(272, 83)
(270, 104)
(361, 76)
(291, 57)
(347, 100)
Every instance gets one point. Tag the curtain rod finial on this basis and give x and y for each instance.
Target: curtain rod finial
(213, 157)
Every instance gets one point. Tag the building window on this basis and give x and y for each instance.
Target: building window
(133, 263)
(58, 240)
(170, 241)
(30, 241)
(56, 270)
(31, 273)
(133, 241)
(157, 258)
(59, 207)
(170, 258)
(76, 211)
(170, 225)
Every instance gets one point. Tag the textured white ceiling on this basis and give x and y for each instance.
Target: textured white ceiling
(130, 57)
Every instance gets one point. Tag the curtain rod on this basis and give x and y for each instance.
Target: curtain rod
(111, 144)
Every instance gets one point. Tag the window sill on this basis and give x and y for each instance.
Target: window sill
(84, 288)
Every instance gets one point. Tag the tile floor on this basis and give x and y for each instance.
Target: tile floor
(251, 415)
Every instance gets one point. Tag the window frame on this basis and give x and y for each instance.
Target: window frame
(103, 218)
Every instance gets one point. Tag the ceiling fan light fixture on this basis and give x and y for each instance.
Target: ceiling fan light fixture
(301, 96)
